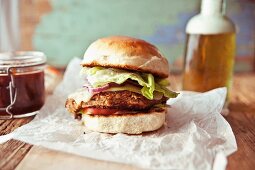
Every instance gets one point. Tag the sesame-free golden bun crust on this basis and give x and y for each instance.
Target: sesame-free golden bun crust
(125, 123)
(126, 53)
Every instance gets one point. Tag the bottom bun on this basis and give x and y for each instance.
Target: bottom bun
(125, 123)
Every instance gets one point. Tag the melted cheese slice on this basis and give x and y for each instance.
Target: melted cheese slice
(81, 95)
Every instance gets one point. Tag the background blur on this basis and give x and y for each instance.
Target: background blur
(63, 29)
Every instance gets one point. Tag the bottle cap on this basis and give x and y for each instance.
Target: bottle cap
(212, 7)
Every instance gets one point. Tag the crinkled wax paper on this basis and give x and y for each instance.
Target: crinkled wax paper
(195, 135)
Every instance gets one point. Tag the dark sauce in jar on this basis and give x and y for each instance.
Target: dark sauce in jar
(22, 90)
(30, 92)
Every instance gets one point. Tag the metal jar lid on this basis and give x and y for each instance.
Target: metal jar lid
(22, 59)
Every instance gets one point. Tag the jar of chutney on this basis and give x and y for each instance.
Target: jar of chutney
(22, 91)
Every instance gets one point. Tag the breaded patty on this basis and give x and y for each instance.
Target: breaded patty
(123, 100)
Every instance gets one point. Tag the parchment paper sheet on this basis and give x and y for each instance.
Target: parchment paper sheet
(195, 135)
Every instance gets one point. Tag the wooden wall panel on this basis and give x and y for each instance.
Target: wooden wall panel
(30, 15)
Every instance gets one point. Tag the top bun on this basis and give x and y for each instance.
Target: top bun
(126, 53)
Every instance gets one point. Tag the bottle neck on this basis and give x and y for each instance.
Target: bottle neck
(213, 7)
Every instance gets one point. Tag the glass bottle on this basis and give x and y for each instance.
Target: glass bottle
(210, 48)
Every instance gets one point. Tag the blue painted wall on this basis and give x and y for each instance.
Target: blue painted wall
(72, 25)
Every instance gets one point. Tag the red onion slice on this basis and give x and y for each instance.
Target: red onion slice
(99, 89)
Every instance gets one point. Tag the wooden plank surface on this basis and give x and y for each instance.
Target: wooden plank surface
(54, 160)
(13, 151)
(241, 119)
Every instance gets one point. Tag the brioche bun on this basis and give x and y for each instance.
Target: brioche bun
(126, 123)
(126, 53)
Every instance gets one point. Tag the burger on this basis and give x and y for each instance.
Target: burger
(125, 87)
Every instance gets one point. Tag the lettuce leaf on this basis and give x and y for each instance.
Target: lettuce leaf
(99, 76)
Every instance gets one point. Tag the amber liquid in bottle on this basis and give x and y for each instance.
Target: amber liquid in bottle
(209, 61)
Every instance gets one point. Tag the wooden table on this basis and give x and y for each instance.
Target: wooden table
(241, 119)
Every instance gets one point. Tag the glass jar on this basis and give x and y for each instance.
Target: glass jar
(22, 91)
